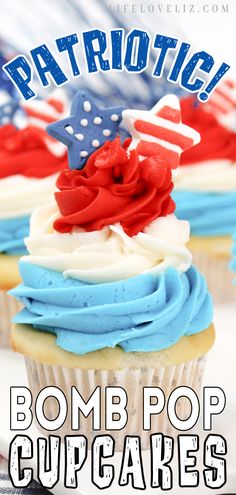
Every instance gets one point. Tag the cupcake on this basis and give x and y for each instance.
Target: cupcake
(29, 164)
(205, 195)
(109, 292)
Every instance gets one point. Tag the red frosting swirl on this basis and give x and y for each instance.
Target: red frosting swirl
(216, 141)
(114, 186)
(24, 152)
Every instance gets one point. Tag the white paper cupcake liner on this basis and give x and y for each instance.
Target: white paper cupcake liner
(9, 306)
(132, 380)
(218, 275)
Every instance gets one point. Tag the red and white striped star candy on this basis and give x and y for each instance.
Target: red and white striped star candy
(160, 132)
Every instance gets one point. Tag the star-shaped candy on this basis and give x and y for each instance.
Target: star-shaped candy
(7, 112)
(86, 129)
(160, 131)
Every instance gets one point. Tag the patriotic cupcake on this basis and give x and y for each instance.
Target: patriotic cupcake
(205, 195)
(29, 164)
(109, 293)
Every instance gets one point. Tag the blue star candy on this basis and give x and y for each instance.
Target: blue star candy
(7, 112)
(86, 129)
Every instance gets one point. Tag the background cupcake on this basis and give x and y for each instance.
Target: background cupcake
(205, 195)
(109, 292)
(29, 163)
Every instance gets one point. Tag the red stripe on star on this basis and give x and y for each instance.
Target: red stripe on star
(163, 133)
(170, 113)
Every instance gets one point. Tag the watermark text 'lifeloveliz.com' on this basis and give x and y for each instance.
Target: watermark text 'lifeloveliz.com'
(146, 7)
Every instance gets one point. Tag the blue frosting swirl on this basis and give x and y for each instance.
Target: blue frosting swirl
(145, 313)
(209, 214)
(12, 234)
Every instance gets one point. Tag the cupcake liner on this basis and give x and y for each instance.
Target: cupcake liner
(9, 306)
(218, 275)
(132, 380)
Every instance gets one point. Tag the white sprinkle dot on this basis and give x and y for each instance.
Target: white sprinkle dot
(106, 132)
(83, 154)
(97, 120)
(87, 106)
(84, 122)
(80, 137)
(69, 129)
(114, 117)
(95, 143)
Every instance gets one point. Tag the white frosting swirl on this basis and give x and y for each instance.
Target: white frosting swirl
(109, 254)
(20, 195)
(211, 176)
